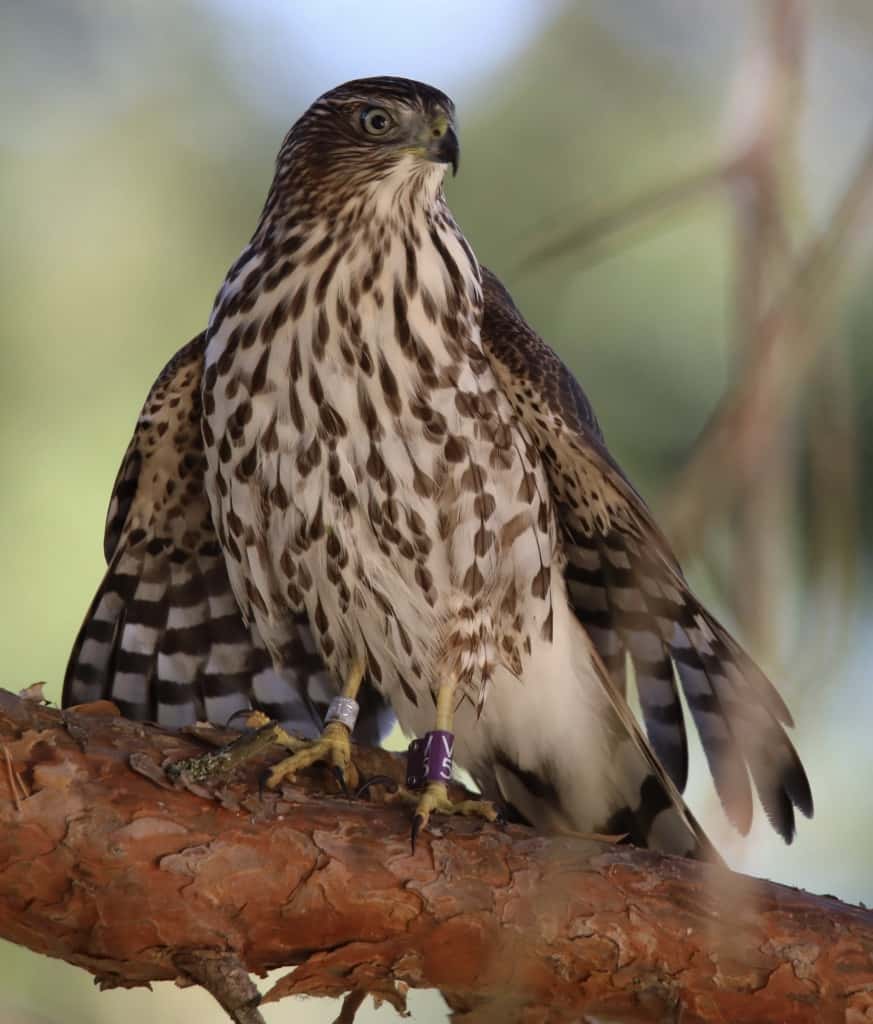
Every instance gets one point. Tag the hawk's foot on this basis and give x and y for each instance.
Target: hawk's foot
(333, 747)
(435, 800)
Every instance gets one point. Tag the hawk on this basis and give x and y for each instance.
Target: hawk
(406, 491)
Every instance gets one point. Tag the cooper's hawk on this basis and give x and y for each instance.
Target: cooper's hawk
(396, 459)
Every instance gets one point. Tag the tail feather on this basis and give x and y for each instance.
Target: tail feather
(92, 662)
(180, 650)
(721, 683)
(632, 601)
(568, 754)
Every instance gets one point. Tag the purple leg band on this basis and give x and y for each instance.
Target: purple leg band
(430, 759)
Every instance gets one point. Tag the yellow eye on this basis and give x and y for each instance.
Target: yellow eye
(376, 121)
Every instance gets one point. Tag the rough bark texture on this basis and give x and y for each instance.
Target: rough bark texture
(106, 864)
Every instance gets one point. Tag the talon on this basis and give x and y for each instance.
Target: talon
(340, 777)
(376, 780)
(248, 716)
(332, 747)
(418, 823)
(435, 799)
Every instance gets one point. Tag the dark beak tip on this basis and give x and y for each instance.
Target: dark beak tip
(452, 149)
(445, 149)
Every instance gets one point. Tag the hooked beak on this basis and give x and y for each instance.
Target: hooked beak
(441, 145)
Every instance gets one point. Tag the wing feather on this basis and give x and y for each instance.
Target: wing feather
(628, 591)
(164, 637)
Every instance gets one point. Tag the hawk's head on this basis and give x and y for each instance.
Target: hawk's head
(373, 136)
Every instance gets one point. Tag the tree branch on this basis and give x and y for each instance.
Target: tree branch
(105, 864)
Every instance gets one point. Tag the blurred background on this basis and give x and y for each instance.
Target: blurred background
(678, 195)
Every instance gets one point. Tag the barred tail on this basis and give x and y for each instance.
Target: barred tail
(164, 640)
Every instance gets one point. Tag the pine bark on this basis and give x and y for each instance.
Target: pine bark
(107, 864)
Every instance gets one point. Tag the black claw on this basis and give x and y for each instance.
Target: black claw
(340, 777)
(417, 823)
(237, 714)
(376, 780)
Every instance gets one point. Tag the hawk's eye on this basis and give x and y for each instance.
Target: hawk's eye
(376, 121)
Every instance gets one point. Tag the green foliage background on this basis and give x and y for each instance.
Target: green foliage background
(136, 148)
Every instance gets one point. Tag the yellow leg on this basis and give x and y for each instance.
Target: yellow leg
(435, 798)
(333, 746)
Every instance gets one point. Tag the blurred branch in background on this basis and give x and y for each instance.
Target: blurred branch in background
(599, 237)
(764, 115)
(744, 471)
(734, 450)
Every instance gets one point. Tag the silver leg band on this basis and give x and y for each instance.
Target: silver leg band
(345, 710)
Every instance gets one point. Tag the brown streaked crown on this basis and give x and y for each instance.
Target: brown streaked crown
(329, 153)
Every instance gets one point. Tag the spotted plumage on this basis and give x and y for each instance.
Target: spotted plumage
(381, 400)
(396, 463)
(164, 638)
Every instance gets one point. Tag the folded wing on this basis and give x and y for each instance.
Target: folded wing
(628, 591)
(164, 638)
